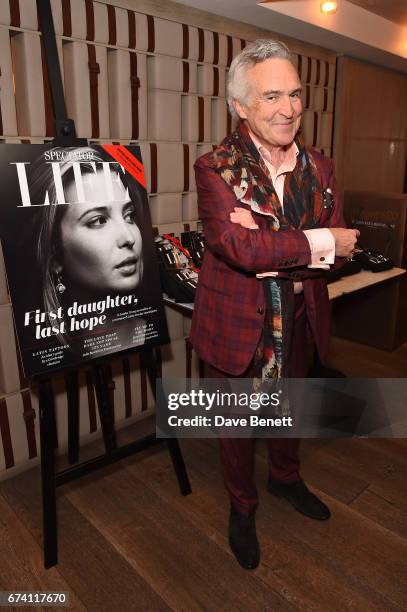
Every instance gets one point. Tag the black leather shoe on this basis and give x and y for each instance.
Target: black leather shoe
(301, 498)
(243, 539)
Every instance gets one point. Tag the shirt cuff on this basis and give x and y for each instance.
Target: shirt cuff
(264, 274)
(322, 245)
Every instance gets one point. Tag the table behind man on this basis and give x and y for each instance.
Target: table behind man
(266, 202)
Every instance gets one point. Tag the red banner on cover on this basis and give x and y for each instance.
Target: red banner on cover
(129, 162)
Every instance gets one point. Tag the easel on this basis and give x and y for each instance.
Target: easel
(65, 135)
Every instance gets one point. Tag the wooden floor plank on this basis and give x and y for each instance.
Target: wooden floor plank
(319, 468)
(357, 546)
(98, 574)
(395, 497)
(21, 561)
(189, 570)
(382, 512)
(365, 454)
(307, 581)
(370, 461)
(389, 448)
(362, 361)
(208, 511)
(299, 573)
(128, 529)
(313, 578)
(326, 472)
(396, 442)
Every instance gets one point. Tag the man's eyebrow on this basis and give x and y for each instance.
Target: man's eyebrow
(271, 92)
(277, 92)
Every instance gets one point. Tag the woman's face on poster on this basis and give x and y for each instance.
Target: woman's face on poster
(101, 242)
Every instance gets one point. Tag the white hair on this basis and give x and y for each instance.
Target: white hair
(256, 52)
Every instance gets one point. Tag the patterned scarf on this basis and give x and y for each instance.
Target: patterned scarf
(241, 166)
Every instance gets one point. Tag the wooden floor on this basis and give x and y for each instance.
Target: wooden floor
(362, 361)
(129, 541)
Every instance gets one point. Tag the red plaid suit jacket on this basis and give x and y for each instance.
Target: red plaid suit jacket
(229, 304)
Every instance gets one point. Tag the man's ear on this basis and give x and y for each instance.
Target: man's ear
(240, 109)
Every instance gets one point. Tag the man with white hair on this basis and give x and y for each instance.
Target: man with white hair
(272, 222)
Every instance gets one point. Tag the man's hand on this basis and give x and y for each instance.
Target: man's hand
(345, 240)
(244, 218)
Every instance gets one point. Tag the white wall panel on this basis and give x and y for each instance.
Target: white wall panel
(161, 106)
(7, 100)
(101, 23)
(9, 373)
(76, 74)
(170, 228)
(78, 82)
(175, 323)
(5, 13)
(170, 167)
(29, 84)
(165, 208)
(324, 99)
(78, 19)
(173, 359)
(126, 122)
(18, 430)
(189, 206)
(219, 120)
(193, 43)
(168, 37)
(211, 81)
(172, 74)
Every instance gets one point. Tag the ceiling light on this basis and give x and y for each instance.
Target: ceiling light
(329, 7)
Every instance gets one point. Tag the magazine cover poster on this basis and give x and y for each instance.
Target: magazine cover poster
(79, 253)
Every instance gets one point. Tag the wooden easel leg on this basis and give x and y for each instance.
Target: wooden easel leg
(104, 407)
(148, 362)
(49, 510)
(72, 392)
(179, 466)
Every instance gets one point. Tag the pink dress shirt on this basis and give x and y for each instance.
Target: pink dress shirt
(321, 240)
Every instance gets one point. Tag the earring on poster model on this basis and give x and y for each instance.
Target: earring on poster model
(60, 287)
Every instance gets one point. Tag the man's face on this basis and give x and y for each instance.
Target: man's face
(274, 107)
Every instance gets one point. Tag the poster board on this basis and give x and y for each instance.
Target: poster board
(79, 253)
